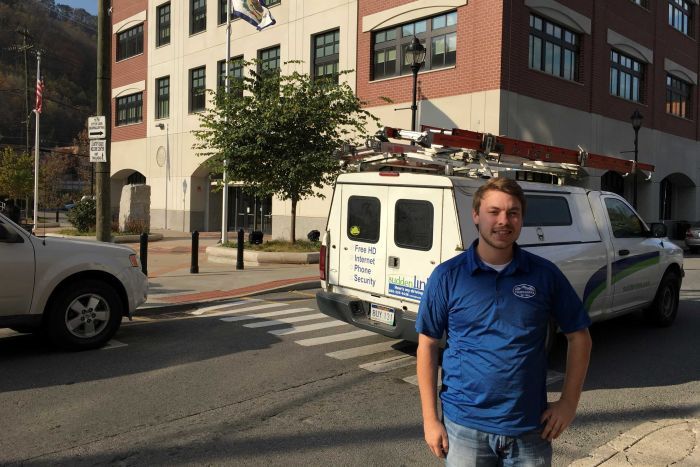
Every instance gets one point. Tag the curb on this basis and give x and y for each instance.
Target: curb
(219, 254)
(115, 238)
(626, 442)
(159, 308)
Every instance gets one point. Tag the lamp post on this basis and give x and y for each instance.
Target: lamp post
(166, 164)
(636, 119)
(415, 57)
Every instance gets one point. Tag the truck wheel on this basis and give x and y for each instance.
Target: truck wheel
(664, 308)
(84, 316)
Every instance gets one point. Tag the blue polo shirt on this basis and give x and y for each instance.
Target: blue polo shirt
(494, 366)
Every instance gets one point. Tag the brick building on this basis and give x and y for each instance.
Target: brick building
(567, 73)
(165, 53)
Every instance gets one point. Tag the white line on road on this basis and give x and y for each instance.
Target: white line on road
(362, 351)
(554, 376)
(335, 338)
(243, 310)
(389, 364)
(113, 344)
(413, 379)
(308, 327)
(269, 314)
(201, 311)
(293, 319)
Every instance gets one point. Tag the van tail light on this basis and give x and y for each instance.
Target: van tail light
(322, 263)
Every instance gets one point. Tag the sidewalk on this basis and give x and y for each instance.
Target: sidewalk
(172, 286)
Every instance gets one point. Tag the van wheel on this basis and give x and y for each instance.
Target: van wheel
(664, 308)
(84, 316)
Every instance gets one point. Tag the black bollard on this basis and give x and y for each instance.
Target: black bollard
(239, 255)
(194, 266)
(56, 214)
(143, 240)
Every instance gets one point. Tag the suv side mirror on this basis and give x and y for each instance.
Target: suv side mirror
(658, 230)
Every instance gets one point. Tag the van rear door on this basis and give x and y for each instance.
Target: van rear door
(362, 256)
(414, 240)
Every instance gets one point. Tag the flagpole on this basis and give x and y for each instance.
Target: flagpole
(227, 66)
(36, 142)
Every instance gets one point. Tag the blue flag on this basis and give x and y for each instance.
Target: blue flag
(252, 11)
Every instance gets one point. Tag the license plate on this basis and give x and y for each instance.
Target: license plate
(382, 313)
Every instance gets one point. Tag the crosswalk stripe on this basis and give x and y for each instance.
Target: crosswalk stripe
(362, 351)
(554, 376)
(413, 379)
(269, 314)
(389, 364)
(113, 344)
(308, 327)
(243, 310)
(201, 311)
(293, 319)
(335, 338)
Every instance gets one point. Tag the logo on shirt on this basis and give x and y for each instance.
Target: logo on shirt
(524, 291)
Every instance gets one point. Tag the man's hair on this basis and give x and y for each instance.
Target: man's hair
(506, 185)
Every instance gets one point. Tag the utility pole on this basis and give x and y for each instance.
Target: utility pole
(25, 47)
(104, 107)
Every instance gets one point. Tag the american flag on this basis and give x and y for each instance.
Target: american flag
(39, 94)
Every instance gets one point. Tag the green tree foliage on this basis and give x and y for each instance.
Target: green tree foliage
(280, 132)
(84, 215)
(16, 174)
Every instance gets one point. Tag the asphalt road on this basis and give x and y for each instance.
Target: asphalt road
(195, 389)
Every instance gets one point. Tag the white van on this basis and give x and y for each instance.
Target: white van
(388, 230)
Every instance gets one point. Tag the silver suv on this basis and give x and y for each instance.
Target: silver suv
(76, 292)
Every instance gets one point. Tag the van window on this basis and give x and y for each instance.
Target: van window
(624, 221)
(363, 218)
(413, 224)
(544, 211)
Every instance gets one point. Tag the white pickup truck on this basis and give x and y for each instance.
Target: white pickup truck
(74, 291)
(387, 231)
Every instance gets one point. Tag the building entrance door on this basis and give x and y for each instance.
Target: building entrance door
(249, 212)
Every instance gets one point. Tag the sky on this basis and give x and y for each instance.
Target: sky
(88, 5)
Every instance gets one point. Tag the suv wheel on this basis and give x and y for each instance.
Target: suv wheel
(664, 308)
(84, 316)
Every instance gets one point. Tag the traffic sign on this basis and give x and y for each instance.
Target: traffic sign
(97, 127)
(98, 150)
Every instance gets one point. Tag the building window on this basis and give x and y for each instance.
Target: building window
(677, 97)
(626, 77)
(269, 3)
(130, 42)
(129, 109)
(235, 72)
(269, 59)
(680, 16)
(326, 55)
(642, 3)
(198, 16)
(163, 36)
(553, 49)
(197, 89)
(438, 34)
(163, 97)
(222, 11)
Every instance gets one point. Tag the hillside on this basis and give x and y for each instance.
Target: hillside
(67, 39)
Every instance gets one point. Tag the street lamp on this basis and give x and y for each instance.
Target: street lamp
(636, 119)
(415, 57)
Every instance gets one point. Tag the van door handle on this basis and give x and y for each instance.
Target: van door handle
(393, 262)
(623, 252)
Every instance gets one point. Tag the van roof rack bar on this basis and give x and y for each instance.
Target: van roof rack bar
(446, 140)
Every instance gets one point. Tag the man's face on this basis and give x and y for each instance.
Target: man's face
(499, 220)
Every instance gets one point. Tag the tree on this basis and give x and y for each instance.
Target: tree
(16, 174)
(280, 133)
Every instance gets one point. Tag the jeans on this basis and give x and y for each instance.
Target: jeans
(473, 448)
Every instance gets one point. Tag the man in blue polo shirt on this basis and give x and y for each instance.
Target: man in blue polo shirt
(494, 302)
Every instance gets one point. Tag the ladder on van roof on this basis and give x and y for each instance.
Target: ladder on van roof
(479, 154)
